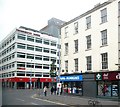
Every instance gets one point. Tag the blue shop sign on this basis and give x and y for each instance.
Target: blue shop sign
(71, 78)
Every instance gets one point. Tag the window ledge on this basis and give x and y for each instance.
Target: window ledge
(88, 49)
(103, 45)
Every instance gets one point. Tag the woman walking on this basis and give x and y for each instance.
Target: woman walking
(45, 91)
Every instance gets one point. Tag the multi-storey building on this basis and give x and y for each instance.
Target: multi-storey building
(26, 56)
(91, 44)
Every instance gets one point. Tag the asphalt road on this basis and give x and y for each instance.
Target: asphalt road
(31, 98)
(24, 97)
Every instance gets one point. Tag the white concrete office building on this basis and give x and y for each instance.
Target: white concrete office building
(25, 58)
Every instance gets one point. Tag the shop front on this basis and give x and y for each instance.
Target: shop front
(108, 84)
(72, 84)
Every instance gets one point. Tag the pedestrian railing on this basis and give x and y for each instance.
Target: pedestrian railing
(94, 103)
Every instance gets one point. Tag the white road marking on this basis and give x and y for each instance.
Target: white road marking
(34, 103)
(49, 101)
(20, 99)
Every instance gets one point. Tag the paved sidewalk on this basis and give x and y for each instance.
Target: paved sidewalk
(75, 100)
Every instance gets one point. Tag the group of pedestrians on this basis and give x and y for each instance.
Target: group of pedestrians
(53, 90)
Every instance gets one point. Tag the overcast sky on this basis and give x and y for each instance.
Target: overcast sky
(35, 13)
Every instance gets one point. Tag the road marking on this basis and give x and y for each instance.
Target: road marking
(34, 103)
(20, 99)
(49, 101)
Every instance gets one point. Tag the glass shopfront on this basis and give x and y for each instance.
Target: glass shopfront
(106, 88)
(108, 84)
(72, 84)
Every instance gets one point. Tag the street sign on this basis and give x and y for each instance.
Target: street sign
(59, 85)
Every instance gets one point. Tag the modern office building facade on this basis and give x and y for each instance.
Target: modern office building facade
(91, 47)
(25, 58)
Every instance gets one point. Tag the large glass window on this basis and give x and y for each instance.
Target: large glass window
(38, 57)
(53, 51)
(53, 43)
(20, 64)
(46, 42)
(21, 55)
(38, 40)
(30, 47)
(45, 66)
(106, 88)
(21, 36)
(39, 66)
(30, 56)
(30, 38)
(39, 49)
(46, 50)
(45, 58)
(21, 46)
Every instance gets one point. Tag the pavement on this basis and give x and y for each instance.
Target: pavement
(75, 100)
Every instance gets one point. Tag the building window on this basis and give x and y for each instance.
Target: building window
(21, 36)
(88, 39)
(30, 47)
(53, 51)
(38, 40)
(21, 46)
(104, 15)
(46, 50)
(45, 66)
(38, 57)
(66, 65)
(106, 88)
(45, 58)
(104, 37)
(30, 56)
(66, 48)
(53, 43)
(89, 62)
(76, 64)
(39, 49)
(20, 64)
(21, 55)
(46, 42)
(76, 45)
(66, 32)
(118, 8)
(30, 65)
(88, 22)
(104, 57)
(39, 66)
(30, 38)
(76, 27)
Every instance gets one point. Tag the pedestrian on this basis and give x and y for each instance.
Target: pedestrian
(45, 91)
(52, 90)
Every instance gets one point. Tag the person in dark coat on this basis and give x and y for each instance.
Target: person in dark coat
(52, 90)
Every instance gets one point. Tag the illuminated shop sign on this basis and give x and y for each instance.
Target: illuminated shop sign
(108, 76)
(71, 78)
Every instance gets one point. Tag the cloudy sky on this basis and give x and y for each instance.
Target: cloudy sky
(35, 13)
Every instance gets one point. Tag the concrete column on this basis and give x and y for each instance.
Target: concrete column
(34, 85)
(15, 85)
(25, 85)
(42, 84)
